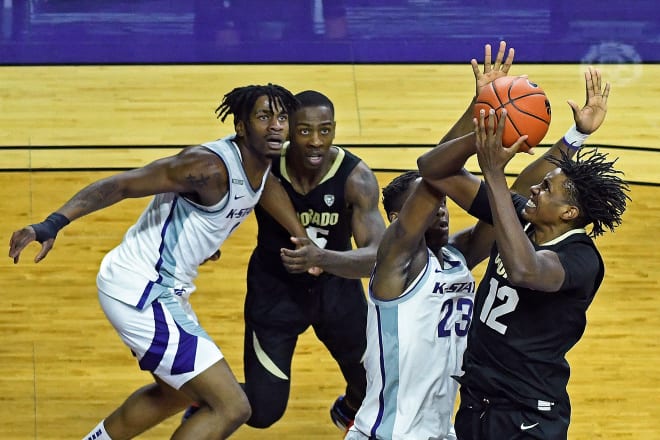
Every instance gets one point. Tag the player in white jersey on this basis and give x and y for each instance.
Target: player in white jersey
(189, 231)
(420, 306)
(420, 302)
(200, 196)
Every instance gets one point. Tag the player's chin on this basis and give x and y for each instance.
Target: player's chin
(273, 153)
(438, 234)
(527, 214)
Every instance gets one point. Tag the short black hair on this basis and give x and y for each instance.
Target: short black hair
(395, 193)
(312, 98)
(240, 101)
(595, 187)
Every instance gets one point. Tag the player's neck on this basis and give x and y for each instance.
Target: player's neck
(542, 234)
(254, 164)
(304, 179)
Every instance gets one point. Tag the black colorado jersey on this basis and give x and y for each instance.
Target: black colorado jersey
(519, 337)
(323, 212)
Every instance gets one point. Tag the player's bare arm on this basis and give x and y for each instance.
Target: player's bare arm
(367, 226)
(402, 254)
(442, 168)
(525, 267)
(195, 171)
(277, 203)
(474, 242)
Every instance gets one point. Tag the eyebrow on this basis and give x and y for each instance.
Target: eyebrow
(309, 124)
(270, 112)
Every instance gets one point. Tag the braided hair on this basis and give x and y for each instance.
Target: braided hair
(394, 193)
(594, 186)
(240, 101)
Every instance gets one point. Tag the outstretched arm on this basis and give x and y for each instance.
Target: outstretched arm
(402, 254)
(194, 171)
(367, 227)
(587, 120)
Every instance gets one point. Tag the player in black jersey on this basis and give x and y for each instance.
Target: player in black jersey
(543, 272)
(336, 196)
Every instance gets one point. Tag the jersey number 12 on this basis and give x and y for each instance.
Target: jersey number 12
(489, 314)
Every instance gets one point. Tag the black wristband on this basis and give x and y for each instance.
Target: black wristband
(49, 228)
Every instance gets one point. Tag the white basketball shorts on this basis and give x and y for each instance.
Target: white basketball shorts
(165, 337)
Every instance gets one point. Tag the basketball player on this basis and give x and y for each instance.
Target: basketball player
(201, 195)
(543, 272)
(420, 303)
(336, 197)
(420, 307)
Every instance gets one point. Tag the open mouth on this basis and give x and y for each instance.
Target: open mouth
(274, 143)
(440, 226)
(314, 158)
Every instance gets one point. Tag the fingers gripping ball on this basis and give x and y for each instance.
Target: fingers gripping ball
(527, 106)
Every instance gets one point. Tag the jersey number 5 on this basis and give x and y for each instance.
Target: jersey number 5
(318, 235)
(489, 314)
(464, 307)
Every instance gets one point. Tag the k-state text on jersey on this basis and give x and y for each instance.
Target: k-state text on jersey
(238, 213)
(454, 287)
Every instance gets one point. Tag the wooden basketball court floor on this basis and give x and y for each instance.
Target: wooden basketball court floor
(62, 368)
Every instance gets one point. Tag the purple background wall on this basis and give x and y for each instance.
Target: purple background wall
(325, 31)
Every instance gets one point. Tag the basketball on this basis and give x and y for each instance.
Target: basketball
(527, 106)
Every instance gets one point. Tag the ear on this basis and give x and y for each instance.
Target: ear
(571, 213)
(392, 216)
(240, 128)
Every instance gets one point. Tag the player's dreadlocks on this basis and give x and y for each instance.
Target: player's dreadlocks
(240, 101)
(393, 193)
(595, 187)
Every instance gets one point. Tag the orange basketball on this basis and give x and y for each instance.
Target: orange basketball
(528, 109)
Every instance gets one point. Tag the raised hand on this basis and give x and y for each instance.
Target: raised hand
(591, 116)
(491, 154)
(492, 71)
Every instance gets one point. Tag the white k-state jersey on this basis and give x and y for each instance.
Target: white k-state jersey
(415, 344)
(163, 250)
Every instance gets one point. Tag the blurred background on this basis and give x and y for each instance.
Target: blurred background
(325, 31)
